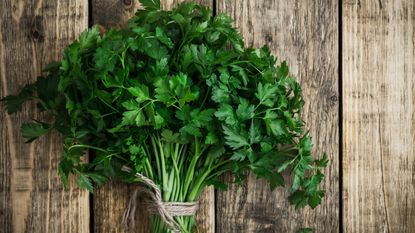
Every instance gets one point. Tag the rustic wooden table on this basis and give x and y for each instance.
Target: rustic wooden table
(355, 61)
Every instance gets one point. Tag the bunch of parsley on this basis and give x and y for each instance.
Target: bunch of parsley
(178, 97)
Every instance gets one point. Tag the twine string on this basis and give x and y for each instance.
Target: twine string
(155, 205)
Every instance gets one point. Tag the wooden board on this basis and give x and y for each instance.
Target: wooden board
(110, 200)
(305, 33)
(32, 199)
(379, 116)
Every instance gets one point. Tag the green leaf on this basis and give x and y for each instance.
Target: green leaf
(265, 146)
(220, 93)
(306, 144)
(278, 128)
(282, 70)
(218, 184)
(254, 133)
(139, 91)
(305, 230)
(315, 199)
(14, 103)
(104, 59)
(177, 89)
(202, 118)
(65, 167)
(133, 117)
(85, 182)
(245, 110)
(242, 73)
(311, 183)
(275, 180)
(239, 155)
(98, 178)
(169, 136)
(234, 138)
(191, 129)
(284, 165)
(150, 4)
(266, 94)
(88, 38)
(298, 199)
(159, 121)
(226, 113)
(154, 49)
(32, 131)
(163, 38)
(322, 163)
(211, 138)
(47, 88)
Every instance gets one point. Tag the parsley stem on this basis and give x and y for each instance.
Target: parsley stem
(87, 147)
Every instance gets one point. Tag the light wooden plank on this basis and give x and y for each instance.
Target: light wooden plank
(32, 198)
(379, 116)
(305, 33)
(110, 200)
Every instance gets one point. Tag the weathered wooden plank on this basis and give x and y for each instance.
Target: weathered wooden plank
(305, 33)
(32, 198)
(110, 200)
(379, 119)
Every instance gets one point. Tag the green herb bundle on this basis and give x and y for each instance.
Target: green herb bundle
(177, 97)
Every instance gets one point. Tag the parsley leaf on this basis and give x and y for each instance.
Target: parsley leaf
(32, 131)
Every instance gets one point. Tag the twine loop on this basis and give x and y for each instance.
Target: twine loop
(155, 205)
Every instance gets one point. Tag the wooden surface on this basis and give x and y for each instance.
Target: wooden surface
(305, 33)
(379, 116)
(376, 99)
(32, 199)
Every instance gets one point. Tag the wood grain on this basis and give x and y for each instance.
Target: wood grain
(379, 116)
(32, 199)
(110, 200)
(305, 33)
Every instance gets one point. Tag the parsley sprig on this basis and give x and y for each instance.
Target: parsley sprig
(178, 97)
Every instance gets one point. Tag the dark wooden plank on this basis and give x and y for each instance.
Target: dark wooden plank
(32, 198)
(110, 200)
(305, 33)
(379, 119)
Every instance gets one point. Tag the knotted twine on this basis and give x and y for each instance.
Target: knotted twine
(155, 205)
